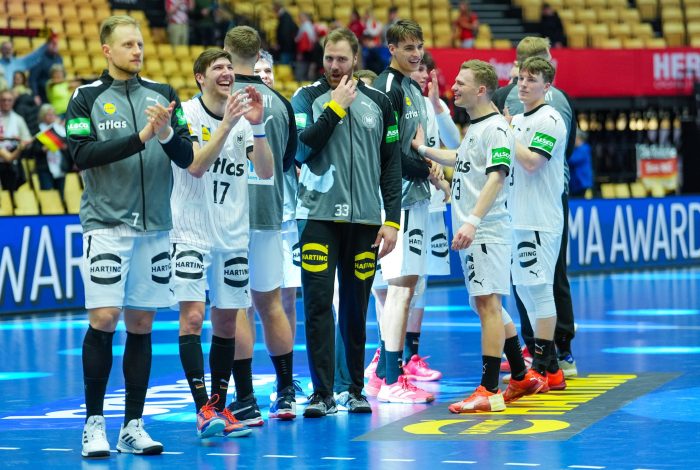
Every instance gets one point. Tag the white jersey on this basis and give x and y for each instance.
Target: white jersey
(489, 145)
(535, 198)
(211, 212)
(433, 137)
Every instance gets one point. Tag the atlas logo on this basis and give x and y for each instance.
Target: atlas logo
(365, 264)
(412, 114)
(527, 254)
(438, 245)
(161, 268)
(110, 125)
(462, 166)
(236, 272)
(415, 241)
(314, 257)
(222, 166)
(105, 269)
(189, 264)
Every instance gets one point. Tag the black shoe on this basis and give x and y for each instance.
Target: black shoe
(320, 406)
(357, 403)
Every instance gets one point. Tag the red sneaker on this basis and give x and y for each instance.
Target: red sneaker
(480, 400)
(556, 381)
(529, 385)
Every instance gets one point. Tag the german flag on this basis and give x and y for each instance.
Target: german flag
(51, 140)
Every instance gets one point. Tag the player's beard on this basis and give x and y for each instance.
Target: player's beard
(130, 69)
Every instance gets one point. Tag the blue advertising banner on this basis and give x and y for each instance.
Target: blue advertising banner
(41, 256)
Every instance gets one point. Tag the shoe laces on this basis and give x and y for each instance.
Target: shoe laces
(139, 431)
(97, 429)
(406, 385)
(229, 416)
(315, 398)
(297, 386)
(208, 410)
(358, 396)
(422, 363)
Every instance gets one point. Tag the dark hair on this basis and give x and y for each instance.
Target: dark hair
(428, 61)
(343, 34)
(537, 65)
(206, 58)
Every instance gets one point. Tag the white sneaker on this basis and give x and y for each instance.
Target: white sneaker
(95, 438)
(134, 439)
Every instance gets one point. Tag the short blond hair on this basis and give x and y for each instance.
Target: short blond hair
(243, 42)
(532, 46)
(110, 24)
(484, 74)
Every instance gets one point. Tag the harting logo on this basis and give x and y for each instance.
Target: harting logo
(415, 241)
(160, 268)
(236, 272)
(105, 269)
(314, 257)
(365, 264)
(189, 264)
(527, 254)
(110, 125)
(438, 245)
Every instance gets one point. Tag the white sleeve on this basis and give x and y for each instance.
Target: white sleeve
(449, 133)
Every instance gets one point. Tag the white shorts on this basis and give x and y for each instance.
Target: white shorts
(266, 253)
(410, 256)
(126, 270)
(291, 269)
(439, 251)
(224, 273)
(486, 269)
(534, 257)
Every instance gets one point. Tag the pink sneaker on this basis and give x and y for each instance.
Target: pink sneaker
(417, 369)
(372, 367)
(374, 385)
(505, 366)
(403, 391)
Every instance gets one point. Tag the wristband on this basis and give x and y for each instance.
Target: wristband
(337, 109)
(474, 220)
(258, 129)
(167, 139)
(422, 150)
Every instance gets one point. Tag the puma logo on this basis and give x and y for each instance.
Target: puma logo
(481, 283)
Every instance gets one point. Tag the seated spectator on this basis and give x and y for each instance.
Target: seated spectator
(551, 26)
(59, 89)
(580, 166)
(51, 165)
(466, 25)
(14, 138)
(356, 25)
(20, 84)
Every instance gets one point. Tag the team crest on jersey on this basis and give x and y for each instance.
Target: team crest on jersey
(105, 269)
(369, 121)
(109, 108)
(365, 264)
(415, 241)
(206, 133)
(236, 272)
(314, 257)
(240, 138)
(160, 268)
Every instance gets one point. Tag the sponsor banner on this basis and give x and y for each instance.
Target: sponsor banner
(646, 72)
(657, 164)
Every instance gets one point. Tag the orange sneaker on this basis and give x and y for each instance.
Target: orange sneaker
(556, 381)
(529, 385)
(209, 423)
(480, 400)
(234, 428)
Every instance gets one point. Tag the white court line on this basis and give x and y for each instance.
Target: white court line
(224, 455)
(586, 466)
(273, 456)
(52, 449)
(398, 460)
(519, 464)
(172, 453)
(9, 448)
(337, 458)
(465, 462)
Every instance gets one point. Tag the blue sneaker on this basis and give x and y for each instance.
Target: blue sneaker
(285, 406)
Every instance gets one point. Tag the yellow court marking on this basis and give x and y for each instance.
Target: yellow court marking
(539, 426)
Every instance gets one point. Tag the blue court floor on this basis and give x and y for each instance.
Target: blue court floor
(634, 405)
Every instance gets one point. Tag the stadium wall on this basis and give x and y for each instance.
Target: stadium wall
(40, 268)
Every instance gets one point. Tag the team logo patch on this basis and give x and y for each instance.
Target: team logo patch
(392, 134)
(369, 121)
(78, 126)
(236, 272)
(296, 255)
(161, 268)
(415, 241)
(189, 264)
(206, 134)
(300, 119)
(543, 141)
(240, 138)
(438, 245)
(365, 264)
(500, 155)
(180, 115)
(314, 257)
(527, 254)
(408, 101)
(109, 108)
(105, 269)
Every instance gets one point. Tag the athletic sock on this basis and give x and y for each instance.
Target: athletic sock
(541, 355)
(192, 361)
(381, 365)
(97, 363)
(489, 372)
(283, 369)
(221, 356)
(563, 343)
(137, 370)
(553, 364)
(514, 354)
(410, 345)
(393, 366)
(243, 377)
